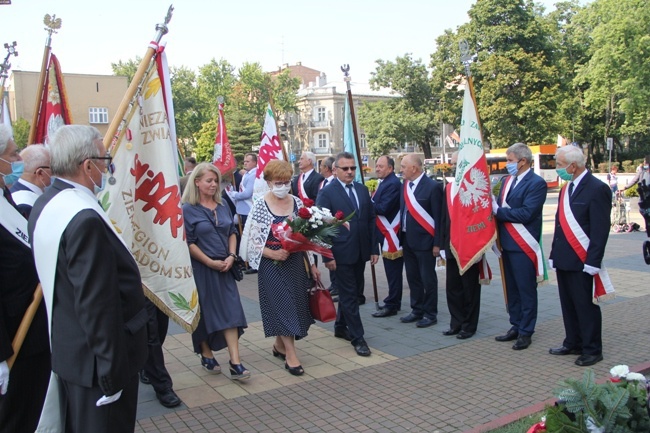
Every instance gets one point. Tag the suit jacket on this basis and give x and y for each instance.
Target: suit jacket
(591, 204)
(23, 208)
(357, 243)
(386, 200)
(99, 334)
(526, 202)
(429, 195)
(311, 184)
(244, 199)
(19, 279)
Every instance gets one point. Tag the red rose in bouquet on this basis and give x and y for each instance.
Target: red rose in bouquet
(339, 215)
(308, 202)
(304, 213)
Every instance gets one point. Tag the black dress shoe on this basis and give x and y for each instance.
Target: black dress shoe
(362, 348)
(144, 378)
(168, 398)
(464, 335)
(335, 298)
(334, 291)
(342, 333)
(250, 271)
(587, 360)
(425, 322)
(523, 341)
(361, 300)
(511, 335)
(451, 331)
(564, 351)
(646, 252)
(410, 318)
(384, 312)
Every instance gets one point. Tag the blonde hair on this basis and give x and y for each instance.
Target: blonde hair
(191, 194)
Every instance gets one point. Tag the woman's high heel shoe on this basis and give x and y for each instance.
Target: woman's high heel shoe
(238, 371)
(278, 354)
(210, 365)
(296, 371)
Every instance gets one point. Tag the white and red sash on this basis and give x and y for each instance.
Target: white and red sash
(522, 237)
(391, 248)
(603, 288)
(302, 194)
(417, 212)
(13, 221)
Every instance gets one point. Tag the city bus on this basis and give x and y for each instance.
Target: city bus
(543, 163)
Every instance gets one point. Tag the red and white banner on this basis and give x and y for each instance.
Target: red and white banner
(473, 229)
(53, 108)
(223, 158)
(270, 148)
(143, 202)
(603, 288)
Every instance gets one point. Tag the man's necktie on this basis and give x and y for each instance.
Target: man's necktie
(411, 185)
(571, 185)
(325, 182)
(512, 188)
(352, 197)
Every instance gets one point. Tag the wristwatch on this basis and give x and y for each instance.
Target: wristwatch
(233, 255)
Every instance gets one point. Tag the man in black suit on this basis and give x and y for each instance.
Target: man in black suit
(518, 212)
(35, 178)
(352, 247)
(92, 287)
(386, 202)
(582, 225)
(420, 209)
(22, 389)
(308, 182)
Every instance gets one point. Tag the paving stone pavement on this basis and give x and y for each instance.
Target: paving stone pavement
(416, 380)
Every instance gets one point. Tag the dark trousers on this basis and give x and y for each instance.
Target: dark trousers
(582, 318)
(463, 296)
(20, 407)
(521, 286)
(155, 365)
(348, 280)
(423, 281)
(82, 415)
(393, 270)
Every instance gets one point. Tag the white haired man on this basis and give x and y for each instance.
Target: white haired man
(35, 178)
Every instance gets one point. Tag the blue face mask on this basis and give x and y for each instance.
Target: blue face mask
(99, 188)
(17, 168)
(512, 168)
(563, 174)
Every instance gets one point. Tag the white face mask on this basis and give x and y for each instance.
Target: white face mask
(280, 191)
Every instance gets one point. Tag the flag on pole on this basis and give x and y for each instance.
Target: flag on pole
(473, 229)
(6, 116)
(349, 145)
(53, 110)
(143, 202)
(270, 148)
(223, 158)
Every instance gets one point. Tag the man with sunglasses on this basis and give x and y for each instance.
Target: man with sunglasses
(35, 178)
(91, 287)
(352, 247)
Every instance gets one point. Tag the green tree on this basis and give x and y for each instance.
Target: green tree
(411, 118)
(127, 68)
(21, 132)
(187, 112)
(216, 78)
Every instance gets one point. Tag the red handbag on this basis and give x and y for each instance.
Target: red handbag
(321, 304)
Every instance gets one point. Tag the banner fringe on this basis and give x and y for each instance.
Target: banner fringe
(477, 256)
(188, 327)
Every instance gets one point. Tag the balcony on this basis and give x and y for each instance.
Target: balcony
(319, 124)
(322, 150)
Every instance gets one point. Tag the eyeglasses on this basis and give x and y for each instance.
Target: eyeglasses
(110, 167)
(44, 167)
(285, 183)
(351, 168)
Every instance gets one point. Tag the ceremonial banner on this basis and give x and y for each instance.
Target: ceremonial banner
(349, 144)
(270, 148)
(53, 110)
(473, 229)
(143, 202)
(6, 118)
(223, 158)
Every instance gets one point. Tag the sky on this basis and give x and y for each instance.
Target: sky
(320, 35)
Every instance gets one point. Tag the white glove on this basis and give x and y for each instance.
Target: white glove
(591, 270)
(4, 377)
(496, 251)
(108, 400)
(550, 264)
(443, 255)
(495, 206)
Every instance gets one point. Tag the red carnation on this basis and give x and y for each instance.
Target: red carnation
(339, 215)
(304, 213)
(308, 202)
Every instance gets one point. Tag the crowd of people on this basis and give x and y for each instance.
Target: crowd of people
(105, 336)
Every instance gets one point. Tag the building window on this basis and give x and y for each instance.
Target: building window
(362, 140)
(97, 115)
(321, 141)
(321, 114)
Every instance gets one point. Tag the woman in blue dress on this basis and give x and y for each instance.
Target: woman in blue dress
(212, 241)
(283, 280)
